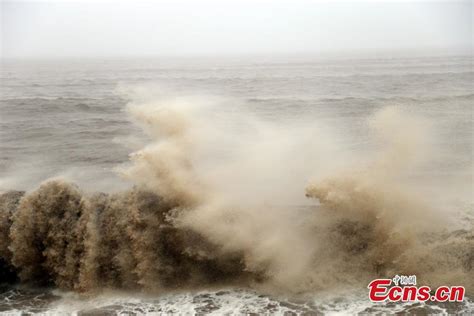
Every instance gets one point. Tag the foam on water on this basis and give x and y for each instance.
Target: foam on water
(225, 301)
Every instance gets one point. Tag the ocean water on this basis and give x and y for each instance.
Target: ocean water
(67, 116)
(70, 119)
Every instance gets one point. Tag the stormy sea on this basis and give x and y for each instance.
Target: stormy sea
(234, 186)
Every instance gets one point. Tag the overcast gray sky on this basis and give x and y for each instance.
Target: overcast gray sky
(187, 28)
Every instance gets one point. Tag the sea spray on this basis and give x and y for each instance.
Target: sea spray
(193, 220)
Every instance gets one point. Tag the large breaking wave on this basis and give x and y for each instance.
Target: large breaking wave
(219, 200)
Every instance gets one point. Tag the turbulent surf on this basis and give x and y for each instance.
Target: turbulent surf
(182, 225)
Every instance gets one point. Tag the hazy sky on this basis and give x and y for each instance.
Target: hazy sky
(186, 28)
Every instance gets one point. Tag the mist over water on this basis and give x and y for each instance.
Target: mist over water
(285, 194)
